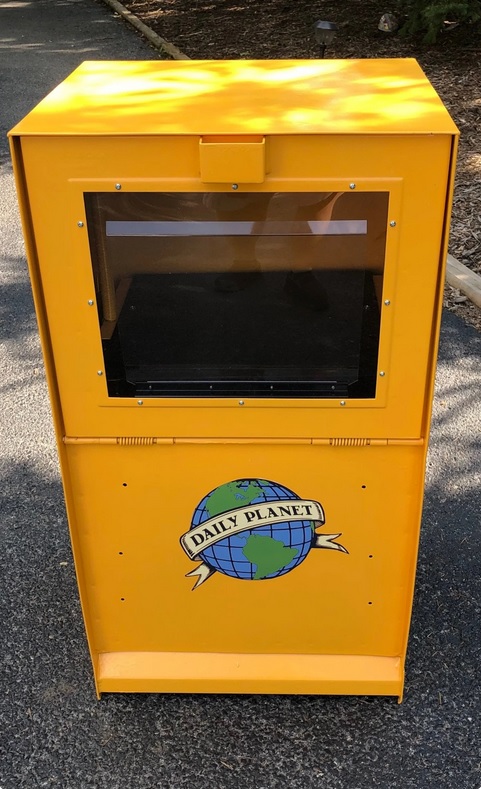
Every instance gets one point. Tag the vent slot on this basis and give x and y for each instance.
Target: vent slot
(349, 442)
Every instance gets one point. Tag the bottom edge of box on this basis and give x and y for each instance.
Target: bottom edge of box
(205, 672)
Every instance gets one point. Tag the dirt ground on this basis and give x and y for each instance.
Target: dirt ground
(222, 29)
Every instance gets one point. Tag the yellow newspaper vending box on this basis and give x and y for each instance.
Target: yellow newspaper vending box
(237, 270)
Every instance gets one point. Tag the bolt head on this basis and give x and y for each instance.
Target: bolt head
(343, 402)
(80, 224)
(235, 187)
(382, 373)
(393, 223)
(352, 186)
(118, 186)
(387, 302)
(241, 402)
(140, 402)
(99, 372)
(90, 302)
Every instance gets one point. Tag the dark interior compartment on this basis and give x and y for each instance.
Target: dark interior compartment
(302, 334)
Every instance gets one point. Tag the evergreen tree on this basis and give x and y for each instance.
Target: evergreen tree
(428, 16)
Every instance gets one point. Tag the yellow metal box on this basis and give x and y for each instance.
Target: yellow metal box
(237, 270)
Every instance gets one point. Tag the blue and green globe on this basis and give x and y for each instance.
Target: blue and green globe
(268, 551)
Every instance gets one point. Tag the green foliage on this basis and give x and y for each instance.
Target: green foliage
(428, 16)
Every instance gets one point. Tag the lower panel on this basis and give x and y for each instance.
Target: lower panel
(244, 568)
(174, 672)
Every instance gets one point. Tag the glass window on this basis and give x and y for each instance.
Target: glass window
(239, 294)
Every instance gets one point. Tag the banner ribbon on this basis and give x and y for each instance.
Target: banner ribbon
(211, 531)
(242, 519)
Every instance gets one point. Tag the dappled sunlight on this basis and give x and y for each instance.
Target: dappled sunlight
(456, 406)
(39, 46)
(293, 73)
(472, 163)
(280, 97)
(6, 43)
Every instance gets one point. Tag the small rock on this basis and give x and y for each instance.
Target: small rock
(388, 23)
(460, 299)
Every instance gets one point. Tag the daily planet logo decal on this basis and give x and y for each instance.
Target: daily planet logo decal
(254, 529)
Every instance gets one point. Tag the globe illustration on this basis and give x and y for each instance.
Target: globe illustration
(268, 551)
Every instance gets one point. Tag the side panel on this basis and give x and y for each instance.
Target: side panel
(43, 327)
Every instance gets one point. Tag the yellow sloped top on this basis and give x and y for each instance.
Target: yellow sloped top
(241, 97)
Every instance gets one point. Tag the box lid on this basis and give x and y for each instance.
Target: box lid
(216, 97)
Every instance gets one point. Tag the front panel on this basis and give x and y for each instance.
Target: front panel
(244, 548)
(265, 310)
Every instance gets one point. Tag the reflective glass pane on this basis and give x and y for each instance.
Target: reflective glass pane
(238, 294)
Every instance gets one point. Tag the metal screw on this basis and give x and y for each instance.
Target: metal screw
(235, 186)
(118, 186)
(343, 402)
(387, 302)
(99, 372)
(80, 224)
(140, 402)
(90, 302)
(393, 223)
(382, 373)
(352, 186)
(241, 402)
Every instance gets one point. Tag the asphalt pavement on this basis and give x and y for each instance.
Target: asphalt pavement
(53, 731)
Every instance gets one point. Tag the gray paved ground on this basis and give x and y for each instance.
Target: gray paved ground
(52, 730)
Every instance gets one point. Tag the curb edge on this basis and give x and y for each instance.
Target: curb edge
(461, 277)
(157, 41)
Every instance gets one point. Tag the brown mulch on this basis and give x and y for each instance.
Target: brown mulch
(222, 29)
